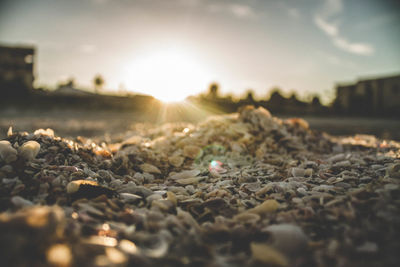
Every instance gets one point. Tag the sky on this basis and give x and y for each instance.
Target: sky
(174, 48)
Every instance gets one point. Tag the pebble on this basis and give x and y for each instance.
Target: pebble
(7, 152)
(287, 238)
(192, 152)
(394, 170)
(267, 206)
(298, 172)
(176, 161)
(187, 181)
(130, 198)
(268, 255)
(146, 167)
(20, 202)
(29, 150)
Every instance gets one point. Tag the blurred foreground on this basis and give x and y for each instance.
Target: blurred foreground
(244, 189)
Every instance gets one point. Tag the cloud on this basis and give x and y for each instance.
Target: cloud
(333, 8)
(329, 28)
(355, 48)
(237, 10)
(241, 11)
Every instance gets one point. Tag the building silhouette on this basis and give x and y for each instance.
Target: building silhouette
(16, 70)
(374, 96)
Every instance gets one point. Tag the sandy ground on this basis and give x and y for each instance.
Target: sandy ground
(107, 123)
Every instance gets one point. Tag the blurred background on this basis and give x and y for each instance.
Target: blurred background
(95, 67)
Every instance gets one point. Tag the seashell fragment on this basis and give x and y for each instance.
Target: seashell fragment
(298, 172)
(87, 189)
(268, 255)
(288, 238)
(21, 202)
(7, 152)
(29, 150)
(186, 181)
(176, 161)
(268, 206)
(184, 174)
(146, 167)
(393, 170)
(192, 152)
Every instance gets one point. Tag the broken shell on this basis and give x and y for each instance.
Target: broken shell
(192, 152)
(394, 170)
(88, 189)
(288, 238)
(146, 167)
(268, 206)
(29, 150)
(268, 255)
(7, 152)
(186, 181)
(184, 174)
(298, 172)
(176, 161)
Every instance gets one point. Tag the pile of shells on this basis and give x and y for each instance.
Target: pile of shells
(245, 189)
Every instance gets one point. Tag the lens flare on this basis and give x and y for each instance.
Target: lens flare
(216, 166)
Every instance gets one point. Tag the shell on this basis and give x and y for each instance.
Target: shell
(7, 152)
(29, 150)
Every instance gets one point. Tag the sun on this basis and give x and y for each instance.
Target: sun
(169, 75)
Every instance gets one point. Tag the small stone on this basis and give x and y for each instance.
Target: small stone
(394, 170)
(48, 132)
(7, 152)
(298, 172)
(29, 150)
(336, 158)
(88, 189)
(302, 191)
(268, 206)
(172, 197)
(59, 255)
(368, 247)
(21, 202)
(146, 167)
(137, 190)
(288, 238)
(9, 131)
(187, 181)
(192, 152)
(247, 217)
(130, 198)
(153, 197)
(268, 255)
(176, 161)
(184, 174)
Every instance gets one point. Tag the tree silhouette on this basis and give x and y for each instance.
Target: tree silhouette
(98, 83)
(213, 90)
(315, 101)
(250, 96)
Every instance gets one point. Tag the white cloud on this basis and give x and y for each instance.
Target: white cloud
(238, 10)
(241, 11)
(355, 48)
(333, 8)
(329, 28)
